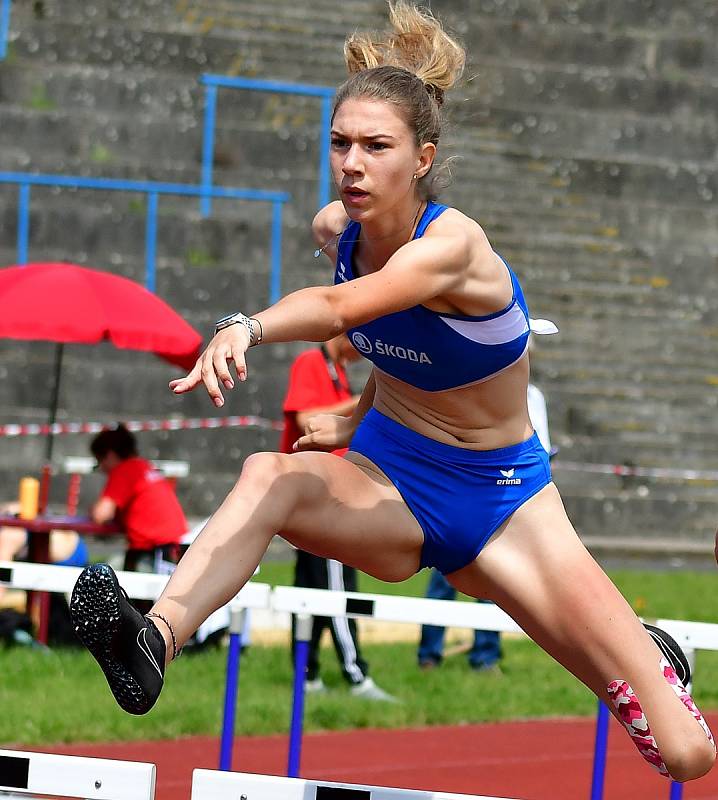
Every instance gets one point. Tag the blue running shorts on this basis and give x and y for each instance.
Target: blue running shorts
(459, 497)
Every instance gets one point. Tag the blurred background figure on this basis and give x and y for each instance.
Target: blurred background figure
(318, 384)
(142, 501)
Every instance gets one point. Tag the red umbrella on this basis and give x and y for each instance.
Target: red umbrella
(66, 303)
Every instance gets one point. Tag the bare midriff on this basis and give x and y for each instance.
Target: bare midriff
(483, 416)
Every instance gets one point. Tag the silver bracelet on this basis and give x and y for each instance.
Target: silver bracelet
(240, 319)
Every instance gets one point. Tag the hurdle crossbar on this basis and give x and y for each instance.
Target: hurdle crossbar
(390, 608)
(25, 773)
(212, 785)
(691, 635)
(138, 585)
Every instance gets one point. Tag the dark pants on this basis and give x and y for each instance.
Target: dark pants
(313, 572)
(159, 560)
(486, 649)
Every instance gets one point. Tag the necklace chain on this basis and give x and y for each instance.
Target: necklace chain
(336, 236)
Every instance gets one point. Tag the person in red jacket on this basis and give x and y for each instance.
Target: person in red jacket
(318, 385)
(141, 499)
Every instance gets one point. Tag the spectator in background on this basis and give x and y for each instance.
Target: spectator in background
(318, 384)
(485, 651)
(141, 499)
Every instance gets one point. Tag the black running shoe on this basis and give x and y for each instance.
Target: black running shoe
(127, 646)
(672, 651)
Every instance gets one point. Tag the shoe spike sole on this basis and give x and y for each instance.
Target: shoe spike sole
(95, 612)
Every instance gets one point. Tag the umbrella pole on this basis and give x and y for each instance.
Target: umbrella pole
(59, 349)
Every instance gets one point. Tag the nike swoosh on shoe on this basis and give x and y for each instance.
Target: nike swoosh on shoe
(145, 649)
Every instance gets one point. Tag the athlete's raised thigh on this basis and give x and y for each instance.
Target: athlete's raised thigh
(348, 510)
(536, 568)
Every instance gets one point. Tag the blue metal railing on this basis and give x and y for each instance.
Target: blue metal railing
(152, 190)
(214, 82)
(4, 26)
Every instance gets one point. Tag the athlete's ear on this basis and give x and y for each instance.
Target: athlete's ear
(427, 154)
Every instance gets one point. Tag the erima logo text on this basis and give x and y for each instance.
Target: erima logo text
(508, 479)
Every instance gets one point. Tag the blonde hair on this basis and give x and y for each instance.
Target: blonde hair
(410, 66)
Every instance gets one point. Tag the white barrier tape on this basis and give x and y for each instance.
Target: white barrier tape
(28, 773)
(207, 423)
(57, 428)
(213, 785)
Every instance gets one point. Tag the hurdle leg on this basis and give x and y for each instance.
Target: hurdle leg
(599, 752)
(236, 624)
(690, 653)
(302, 637)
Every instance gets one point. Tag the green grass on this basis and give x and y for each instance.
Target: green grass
(69, 700)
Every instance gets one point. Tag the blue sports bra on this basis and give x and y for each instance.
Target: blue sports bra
(432, 350)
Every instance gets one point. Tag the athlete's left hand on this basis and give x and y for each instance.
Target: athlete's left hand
(325, 432)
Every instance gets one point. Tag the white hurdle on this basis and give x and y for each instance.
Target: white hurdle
(138, 585)
(24, 773)
(211, 785)
(392, 608)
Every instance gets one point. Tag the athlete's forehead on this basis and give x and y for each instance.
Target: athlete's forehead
(366, 118)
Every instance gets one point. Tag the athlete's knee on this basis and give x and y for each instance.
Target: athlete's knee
(692, 758)
(261, 471)
(685, 758)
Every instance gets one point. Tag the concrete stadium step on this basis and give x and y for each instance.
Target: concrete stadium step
(569, 353)
(598, 388)
(650, 331)
(663, 16)
(110, 231)
(578, 481)
(176, 52)
(685, 183)
(559, 131)
(79, 87)
(544, 44)
(143, 90)
(579, 87)
(96, 136)
(603, 448)
(96, 378)
(322, 17)
(624, 513)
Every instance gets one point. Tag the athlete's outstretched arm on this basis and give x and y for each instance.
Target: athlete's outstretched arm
(419, 271)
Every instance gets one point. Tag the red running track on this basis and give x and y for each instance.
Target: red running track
(545, 760)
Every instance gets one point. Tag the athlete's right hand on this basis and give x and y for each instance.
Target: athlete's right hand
(325, 432)
(212, 367)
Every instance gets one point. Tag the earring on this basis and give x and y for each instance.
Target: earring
(414, 176)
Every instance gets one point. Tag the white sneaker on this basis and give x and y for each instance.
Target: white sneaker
(314, 687)
(368, 690)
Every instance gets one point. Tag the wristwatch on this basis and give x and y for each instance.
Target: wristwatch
(238, 319)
